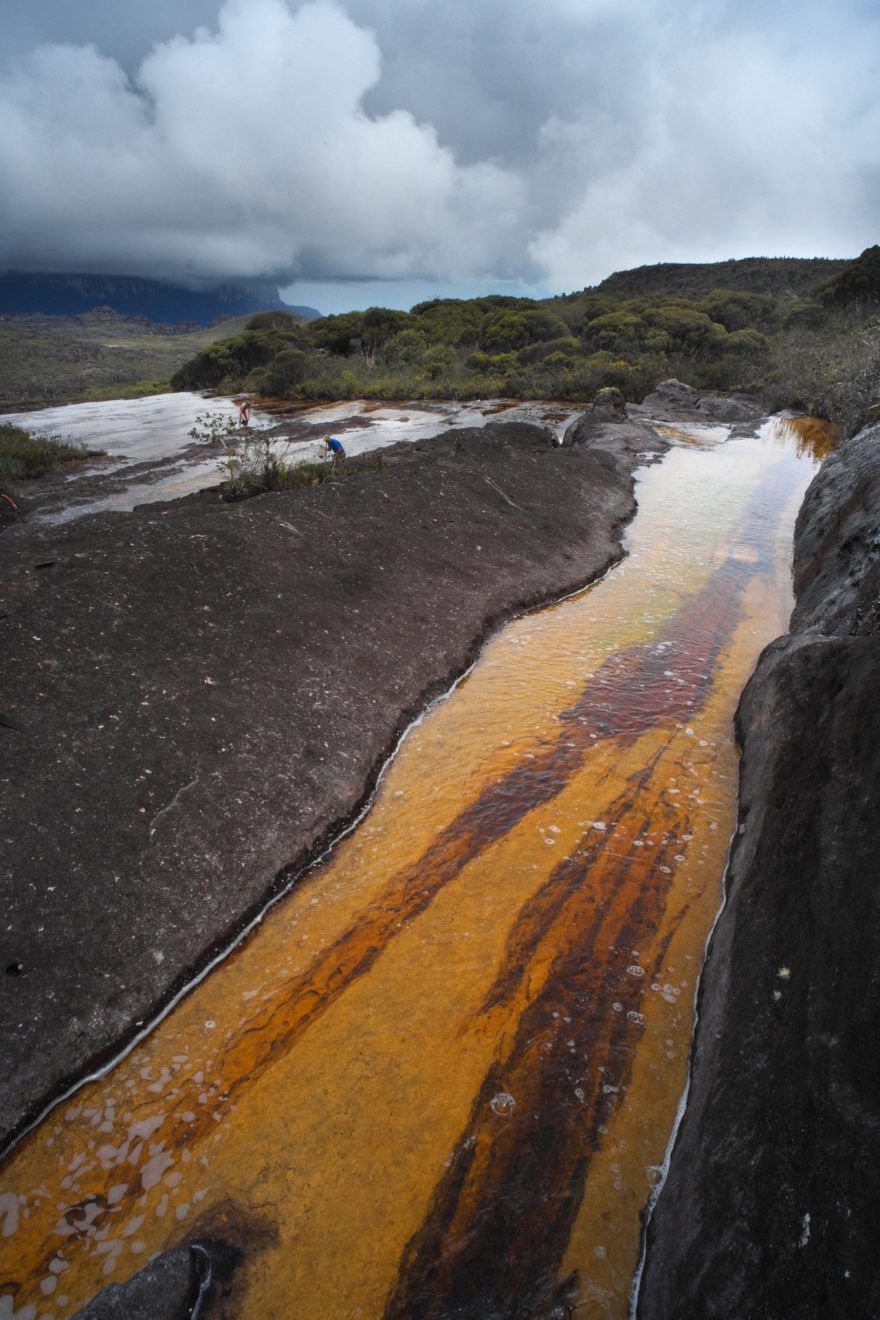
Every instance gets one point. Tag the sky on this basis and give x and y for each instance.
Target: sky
(378, 152)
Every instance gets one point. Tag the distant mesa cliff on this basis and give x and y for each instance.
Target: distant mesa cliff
(66, 294)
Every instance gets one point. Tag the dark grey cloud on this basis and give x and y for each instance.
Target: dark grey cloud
(467, 144)
(123, 30)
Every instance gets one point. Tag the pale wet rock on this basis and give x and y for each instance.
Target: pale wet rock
(770, 1203)
(197, 694)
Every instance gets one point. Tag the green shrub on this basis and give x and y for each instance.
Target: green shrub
(260, 465)
(286, 371)
(750, 337)
(26, 455)
(274, 321)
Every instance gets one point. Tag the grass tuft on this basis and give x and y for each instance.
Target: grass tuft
(26, 455)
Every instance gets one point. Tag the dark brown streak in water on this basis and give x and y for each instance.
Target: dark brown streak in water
(609, 709)
(542, 910)
(501, 1218)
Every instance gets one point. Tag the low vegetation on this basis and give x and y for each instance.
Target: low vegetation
(259, 464)
(100, 355)
(25, 455)
(801, 333)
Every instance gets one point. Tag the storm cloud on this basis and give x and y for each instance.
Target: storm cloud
(467, 145)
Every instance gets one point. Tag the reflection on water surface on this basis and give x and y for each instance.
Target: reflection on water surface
(440, 1078)
(152, 455)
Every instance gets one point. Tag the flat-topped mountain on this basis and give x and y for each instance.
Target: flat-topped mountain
(68, 294)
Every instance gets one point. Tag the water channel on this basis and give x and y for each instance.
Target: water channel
(440, 1078)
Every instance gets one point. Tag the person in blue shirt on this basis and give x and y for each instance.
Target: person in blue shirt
(334, 448)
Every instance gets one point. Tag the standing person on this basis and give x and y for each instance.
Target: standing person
(334, 448)
(244, 411)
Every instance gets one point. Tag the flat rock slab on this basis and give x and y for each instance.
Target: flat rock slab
(198, 695)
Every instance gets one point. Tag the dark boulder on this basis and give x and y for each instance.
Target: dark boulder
(837, 539)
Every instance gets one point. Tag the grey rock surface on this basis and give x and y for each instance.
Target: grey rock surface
(677, 402)
(614, 437)
(187, 1282)
(165, 1289)
(197, 695)
(837, 539)
(768, 1212)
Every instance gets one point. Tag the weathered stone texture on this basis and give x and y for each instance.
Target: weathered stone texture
(769, 1209)
(197, 694)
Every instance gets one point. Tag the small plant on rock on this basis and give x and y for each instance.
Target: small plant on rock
(212, 429)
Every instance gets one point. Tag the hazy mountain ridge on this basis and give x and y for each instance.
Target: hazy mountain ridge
(70, 294)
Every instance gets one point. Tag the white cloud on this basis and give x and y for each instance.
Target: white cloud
(477, 141)
(746, 147)
(243, 151)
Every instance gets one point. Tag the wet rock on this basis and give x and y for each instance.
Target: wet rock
(609, 405)
(677, 402)
(201, 693)
(180, 1284)
(672, 399)
(730, 407)
(612, 435)
(768, 1210)
(837, 539)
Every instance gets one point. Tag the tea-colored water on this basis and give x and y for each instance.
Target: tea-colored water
(440, 1077)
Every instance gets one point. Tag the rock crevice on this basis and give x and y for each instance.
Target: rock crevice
(768, 1208)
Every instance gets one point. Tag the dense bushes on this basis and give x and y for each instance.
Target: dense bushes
(793, 344)
(832, 370)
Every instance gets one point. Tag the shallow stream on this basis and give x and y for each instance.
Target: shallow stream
(146, 451)
(440, 1077)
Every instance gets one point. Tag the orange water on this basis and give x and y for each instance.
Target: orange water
(440, 1077)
